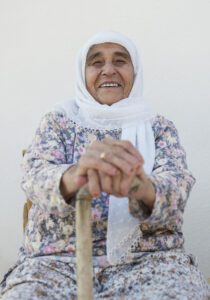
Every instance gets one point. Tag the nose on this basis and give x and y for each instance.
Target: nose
(108, 69)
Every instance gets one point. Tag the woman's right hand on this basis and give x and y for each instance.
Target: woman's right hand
(108, 157)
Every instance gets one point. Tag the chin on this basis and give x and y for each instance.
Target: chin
(109, 101)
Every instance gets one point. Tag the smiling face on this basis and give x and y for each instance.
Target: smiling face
(109, 73)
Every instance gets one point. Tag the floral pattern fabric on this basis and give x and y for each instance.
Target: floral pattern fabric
(154, 276)
(49, 241)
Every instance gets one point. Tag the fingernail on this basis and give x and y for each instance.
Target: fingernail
(115, 172)
(130, 170)
(95, 195)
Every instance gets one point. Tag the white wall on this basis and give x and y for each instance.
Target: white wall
(38, 43)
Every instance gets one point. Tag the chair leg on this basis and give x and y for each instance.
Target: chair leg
(26, 209)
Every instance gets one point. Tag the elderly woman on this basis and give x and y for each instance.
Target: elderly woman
(104, 138)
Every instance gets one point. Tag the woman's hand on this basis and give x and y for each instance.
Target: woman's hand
(120, 186)
(102, 162)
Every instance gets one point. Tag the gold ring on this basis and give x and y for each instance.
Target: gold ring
(103, 155)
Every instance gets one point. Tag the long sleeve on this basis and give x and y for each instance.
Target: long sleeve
(44, 163)
(172, 181)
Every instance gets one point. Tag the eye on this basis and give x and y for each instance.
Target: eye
(97, 63)
(119, 62)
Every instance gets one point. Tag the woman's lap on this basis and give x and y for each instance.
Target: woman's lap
(40, 278)
(155, 276)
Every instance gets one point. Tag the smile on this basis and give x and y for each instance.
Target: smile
(109, 84)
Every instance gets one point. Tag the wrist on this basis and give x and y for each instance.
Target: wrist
(146, 193)
(67, 188)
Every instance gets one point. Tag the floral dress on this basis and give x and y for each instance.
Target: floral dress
(160, 268)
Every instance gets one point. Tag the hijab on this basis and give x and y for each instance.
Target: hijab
(133, 116)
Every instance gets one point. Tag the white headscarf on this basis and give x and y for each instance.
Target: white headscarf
(133, 116)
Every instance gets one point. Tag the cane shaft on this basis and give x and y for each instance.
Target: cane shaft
(84, 246)
(84, 241)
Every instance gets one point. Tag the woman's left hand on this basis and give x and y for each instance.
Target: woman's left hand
(120, 185)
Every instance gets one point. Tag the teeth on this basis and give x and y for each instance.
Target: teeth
(110, 85)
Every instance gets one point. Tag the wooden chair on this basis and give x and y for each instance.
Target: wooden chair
(27, 205)
(26, 209)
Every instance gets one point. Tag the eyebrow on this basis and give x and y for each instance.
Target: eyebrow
(99, 53)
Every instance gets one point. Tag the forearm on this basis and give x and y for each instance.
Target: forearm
(44, 164)
(171, 193)
(171, 179)
(42, 187)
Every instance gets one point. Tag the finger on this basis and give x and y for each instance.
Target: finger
(106, 183)
(122, 159)
(118, 162)
(93, 162)
(126, 145)
(116, 184)
(114, 156)
(125, 184)
(80, 181)
(93, 183)
(141, 174)
(107, 144)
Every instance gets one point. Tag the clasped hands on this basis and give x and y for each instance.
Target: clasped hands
(108, 166)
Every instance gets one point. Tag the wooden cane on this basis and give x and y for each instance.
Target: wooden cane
(84, 245)
(84, 241)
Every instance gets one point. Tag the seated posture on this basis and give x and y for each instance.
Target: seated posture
(104, 138)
